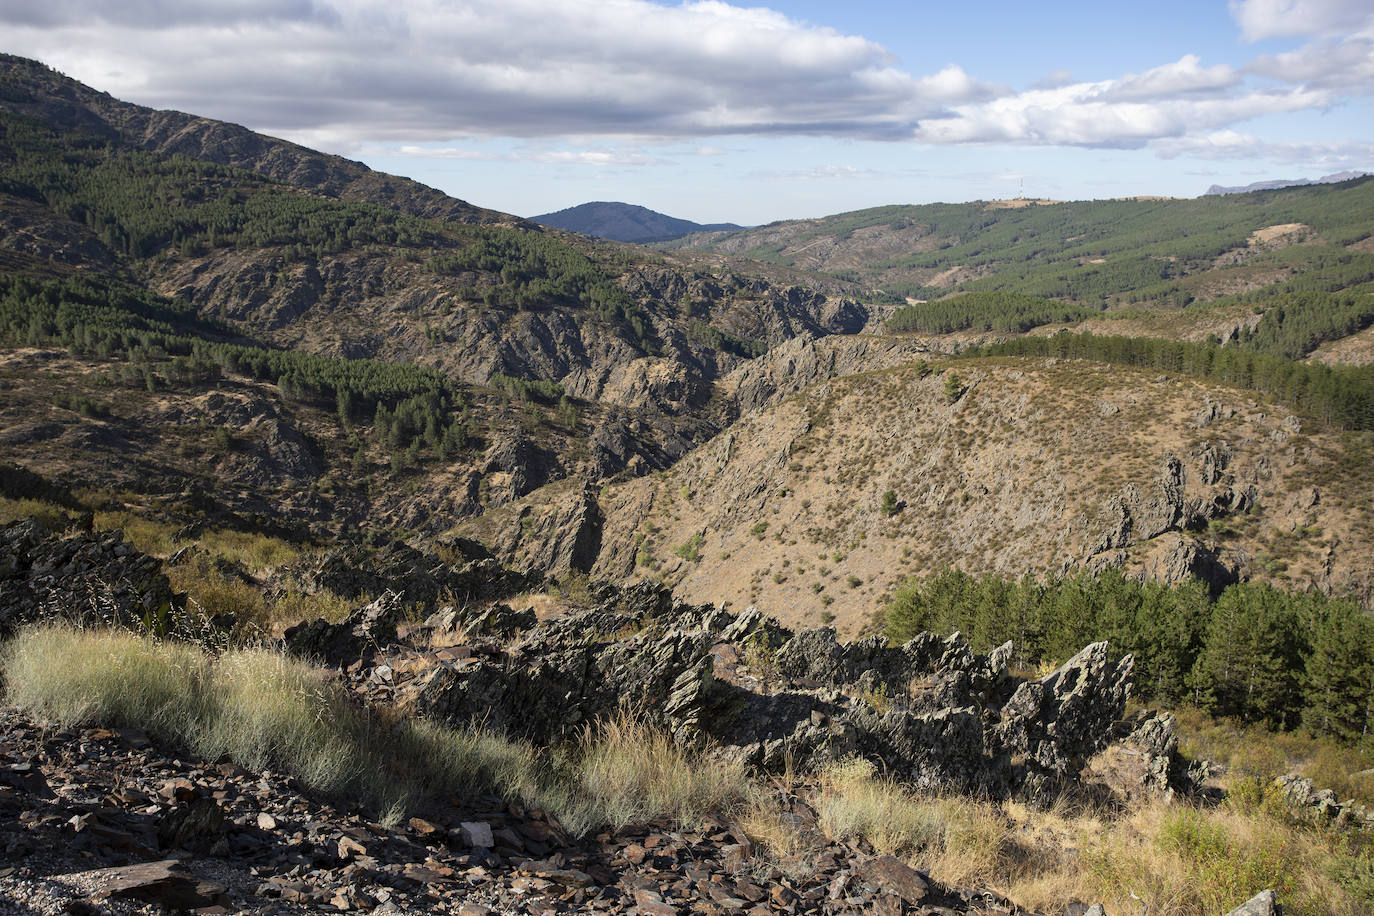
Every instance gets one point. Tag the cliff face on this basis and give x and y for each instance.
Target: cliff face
(1040, 468)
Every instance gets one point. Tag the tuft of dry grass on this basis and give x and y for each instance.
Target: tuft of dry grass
(959, 840)
(625, 771)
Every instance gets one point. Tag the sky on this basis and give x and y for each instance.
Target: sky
(723, 111)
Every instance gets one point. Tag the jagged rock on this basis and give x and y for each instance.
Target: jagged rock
(90, 577)
(931, 712)
(890, 874)
(524, 465)
(1152, 736)
(1210, 412)
(356, 636)
(566, 538)
(1191, 559)
(1066, 717)
(1322, 805)
(497, 620)
(1265, 903)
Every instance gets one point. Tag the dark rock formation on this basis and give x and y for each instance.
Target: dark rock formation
(356, 636)
(932, 712)
(418, 578)
(88, 577)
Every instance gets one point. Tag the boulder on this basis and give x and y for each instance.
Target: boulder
(1265, 903)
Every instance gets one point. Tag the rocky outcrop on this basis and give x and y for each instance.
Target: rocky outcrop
(932, 712)
(1181, 497)
(803, 362)
(100, 820)
(1061, 720)
(566, 537)
(89, 578)
(353, 638)
(417, 578)
(1322, 805)
(519, 465)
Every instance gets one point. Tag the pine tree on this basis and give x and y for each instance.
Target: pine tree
(1340, 669)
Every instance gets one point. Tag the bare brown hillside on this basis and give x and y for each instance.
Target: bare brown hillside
(1035, 467)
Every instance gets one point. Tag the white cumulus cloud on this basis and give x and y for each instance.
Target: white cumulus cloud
(423, 70)
(1260, 19)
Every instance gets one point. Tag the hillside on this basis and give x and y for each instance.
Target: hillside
(1112, 254)
(514, 355)
(624, 222)
(1025, 466)
(364, 550)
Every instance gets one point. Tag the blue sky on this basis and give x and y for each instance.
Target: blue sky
(715, 111)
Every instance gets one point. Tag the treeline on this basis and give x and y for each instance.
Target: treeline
(1338, 395)
(1003, 311)
(411, 406)
(1255, 652)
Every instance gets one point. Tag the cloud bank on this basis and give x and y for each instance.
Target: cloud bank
(344, 73)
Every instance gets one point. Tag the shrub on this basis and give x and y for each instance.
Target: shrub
(954, 387)
(690, 550)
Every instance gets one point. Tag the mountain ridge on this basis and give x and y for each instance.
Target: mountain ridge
(624, 222)
(1275, 184)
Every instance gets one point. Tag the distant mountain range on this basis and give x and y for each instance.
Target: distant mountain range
(624, 222)
(1284, 183)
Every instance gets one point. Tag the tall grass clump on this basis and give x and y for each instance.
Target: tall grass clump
(855, 804)
(116, 679)
(624, 771)
(958, 839)
(260, 709)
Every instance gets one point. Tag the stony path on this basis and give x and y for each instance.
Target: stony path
(94, 820)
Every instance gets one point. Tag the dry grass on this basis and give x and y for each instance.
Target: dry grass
(1161, 858)
(50, 517)
(1255, 751)
(958, 840)
(215, 593)
(146, 535)
(626, 772)
(262, 709)
(293, 607)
